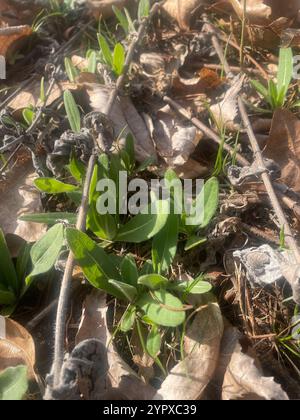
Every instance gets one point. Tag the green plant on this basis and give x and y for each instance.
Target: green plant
(115, 60)
(143, 9)
(32, 261)
(152, 298)
(276, 93)
(13, 383)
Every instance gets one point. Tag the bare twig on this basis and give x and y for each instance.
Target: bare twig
(66, 283)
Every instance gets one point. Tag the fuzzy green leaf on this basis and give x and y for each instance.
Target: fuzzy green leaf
(96, 264)
(153, 281)
(53, 186)
(45, 252)
(13, 383)
(162, 308)
(144, 226)
(72, 111)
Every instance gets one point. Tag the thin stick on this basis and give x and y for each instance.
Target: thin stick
(66, 283)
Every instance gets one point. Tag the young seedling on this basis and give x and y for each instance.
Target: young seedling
(276, 93)
(116, 60)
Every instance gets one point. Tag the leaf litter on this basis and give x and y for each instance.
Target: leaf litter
(148, 342)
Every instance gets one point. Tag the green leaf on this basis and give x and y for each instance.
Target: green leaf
(28, 115)
(162, 308)
(285, 70)
(53, 186)
(45, 252)
(147, 162)
(77, 169)
(24, 264)
(147, 268)
(96, 264)
(144, 9)
(129, 148)
(128, 319)
(8, 276)
(122, 19)
(92, 62)
(72, 111)
(194, 287)
(260, 88)
(13, 383)
(71, 70)
(7, 297)
(103, 226)
(49, 218)
(129, 270)
(128, 291)
(130, 21)
(209, 198)
(153, 281)
(144, 226)
(273, 94)
(119, 59)
(164, 245)
(106, 52)
(153, 343)
(193, 242)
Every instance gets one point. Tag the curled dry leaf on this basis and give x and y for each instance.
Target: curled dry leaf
(9, 36)
(189, 378)
(104, 8)
(125, 119)
(16, 346)
(21, 197)
(239, 376)
(283, 147)
(185, 88)
(265, 11)
(225, 113)
(175, 141)
(183, 11)
(122, 381)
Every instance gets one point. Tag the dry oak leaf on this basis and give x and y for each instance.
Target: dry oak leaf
(188, 379)
(16, 346)
(239, 375)
(266, 11)
(183, 10)
(21, 197)
(125, 119)
(283, 147)
(104, 8)
(122, 381)
(8, 36)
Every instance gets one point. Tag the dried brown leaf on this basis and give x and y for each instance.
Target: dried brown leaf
(16, 346)
(239, 374)
(122, 380)
(21, 197)
(8, 36)
(183, 11)
(284, 147)
(189, 379)
(104, 7)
